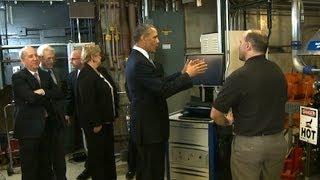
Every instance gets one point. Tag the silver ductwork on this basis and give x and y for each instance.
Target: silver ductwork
(296, 34)
(296, 39)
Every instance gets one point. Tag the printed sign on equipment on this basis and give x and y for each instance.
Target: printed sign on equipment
(308, 125)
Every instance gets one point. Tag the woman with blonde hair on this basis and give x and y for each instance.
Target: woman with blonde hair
(97, 112)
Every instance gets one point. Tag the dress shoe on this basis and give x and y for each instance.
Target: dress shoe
(79, 157)
(84, 175)
(130, 175)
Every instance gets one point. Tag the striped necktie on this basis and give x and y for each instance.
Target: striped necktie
(36, 75)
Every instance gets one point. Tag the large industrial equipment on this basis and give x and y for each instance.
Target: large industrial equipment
(192, 148)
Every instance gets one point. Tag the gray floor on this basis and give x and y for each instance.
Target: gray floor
(73, 170)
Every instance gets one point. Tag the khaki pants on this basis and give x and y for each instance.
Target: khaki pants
(257, 157)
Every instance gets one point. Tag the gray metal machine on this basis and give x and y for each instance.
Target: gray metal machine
(192, 148)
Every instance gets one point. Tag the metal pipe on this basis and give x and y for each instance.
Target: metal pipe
(132, 20)
(146, 10)
(248, 4)
(125, 34)
(71, 29)
(302, 12)
(117, 50)
(153, 5)
(239, 20)
(269, 19)
(6, 23)
(112, 30)
(107, 35)
(177, 5)
(296, 39)
(232, 22)
(10, 15)
(78, 28)
(33, 45)
(167, 5)
(227, 40)
(219, 25)
(174, 5)
(244, 16)
(90, 30)
(258, 18)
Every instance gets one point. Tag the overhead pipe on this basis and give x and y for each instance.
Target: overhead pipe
(173, 2)
(107, 33)
(178, 5)
(296, 39)
(227, 40)
(78, 28)
(219, 25)
(125, 34)
(145, 11)
(269, 19)
(153, 5)
(132, 19)
(167, 5)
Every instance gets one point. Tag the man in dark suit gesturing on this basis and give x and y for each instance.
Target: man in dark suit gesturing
(33, 89)
(149, 89)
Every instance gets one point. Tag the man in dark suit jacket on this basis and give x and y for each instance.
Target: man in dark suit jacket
(57, 122)
(149, 89)
(33, 91)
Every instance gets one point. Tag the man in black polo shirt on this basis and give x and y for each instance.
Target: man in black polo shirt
(256, 93)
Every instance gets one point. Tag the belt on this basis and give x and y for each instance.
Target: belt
(261, 134)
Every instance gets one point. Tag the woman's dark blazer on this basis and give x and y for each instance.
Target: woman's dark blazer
(95, 99)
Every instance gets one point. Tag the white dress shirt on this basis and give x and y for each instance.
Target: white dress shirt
(144, 52)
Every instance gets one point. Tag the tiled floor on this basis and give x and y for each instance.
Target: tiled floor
(73, 170)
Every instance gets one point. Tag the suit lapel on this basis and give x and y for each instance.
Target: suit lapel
(145, 59)
(31, 79)
(55, 73)
(42, 77)
(74, 81)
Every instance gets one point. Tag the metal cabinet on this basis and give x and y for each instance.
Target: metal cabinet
(192, 149)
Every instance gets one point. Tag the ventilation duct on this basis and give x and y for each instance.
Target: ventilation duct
(296, 39)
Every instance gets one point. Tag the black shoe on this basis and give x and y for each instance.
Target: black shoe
(130, 175)
(79, 157)
(84, 175)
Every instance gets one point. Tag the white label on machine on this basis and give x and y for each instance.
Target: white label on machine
(166, 46)
(308, 125)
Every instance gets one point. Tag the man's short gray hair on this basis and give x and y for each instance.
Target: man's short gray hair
(142, 29)
(22, 52)
(44, 47)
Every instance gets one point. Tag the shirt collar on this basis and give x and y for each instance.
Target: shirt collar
(144, 52)
(255, 58)
(47, 70)
(32, 72)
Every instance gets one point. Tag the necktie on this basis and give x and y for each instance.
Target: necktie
(151, 61)
(36, 75)
(52, 76)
